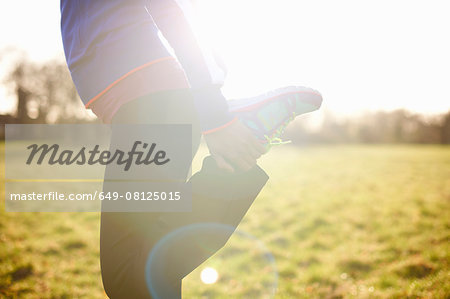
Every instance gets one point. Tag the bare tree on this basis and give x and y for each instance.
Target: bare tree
(44, 91)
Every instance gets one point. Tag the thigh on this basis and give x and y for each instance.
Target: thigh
(126, 238)
(166, 107)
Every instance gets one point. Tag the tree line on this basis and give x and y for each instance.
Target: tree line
(45, 93)
(398, 126)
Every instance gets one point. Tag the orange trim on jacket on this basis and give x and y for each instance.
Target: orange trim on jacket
(124, 76)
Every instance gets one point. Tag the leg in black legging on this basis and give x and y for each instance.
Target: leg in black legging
(128, 239)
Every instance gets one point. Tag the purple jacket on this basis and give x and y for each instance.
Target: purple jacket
(107, 39)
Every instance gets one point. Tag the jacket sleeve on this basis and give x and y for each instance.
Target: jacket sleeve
(204, 74)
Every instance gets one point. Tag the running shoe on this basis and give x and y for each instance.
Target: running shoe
(267, 115)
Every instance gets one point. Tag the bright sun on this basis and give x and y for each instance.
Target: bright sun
(338, 47)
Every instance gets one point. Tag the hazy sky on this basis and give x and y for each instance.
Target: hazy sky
(361, 55)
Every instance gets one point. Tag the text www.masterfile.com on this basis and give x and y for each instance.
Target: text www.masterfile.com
(60, 196)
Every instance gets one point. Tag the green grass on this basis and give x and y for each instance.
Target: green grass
(340, 221)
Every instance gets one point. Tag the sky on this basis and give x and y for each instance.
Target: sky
(361, 55)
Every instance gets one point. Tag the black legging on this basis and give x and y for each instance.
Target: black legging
(127, 239)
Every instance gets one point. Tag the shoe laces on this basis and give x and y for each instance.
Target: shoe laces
(274, 139)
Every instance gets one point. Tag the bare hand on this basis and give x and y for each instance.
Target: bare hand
(234, 147)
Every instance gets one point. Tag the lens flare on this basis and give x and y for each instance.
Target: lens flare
(209, 275)
(244, 262)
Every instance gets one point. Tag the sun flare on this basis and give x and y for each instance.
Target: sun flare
(209, 275)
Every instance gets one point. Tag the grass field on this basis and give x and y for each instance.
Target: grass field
(340, 221)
